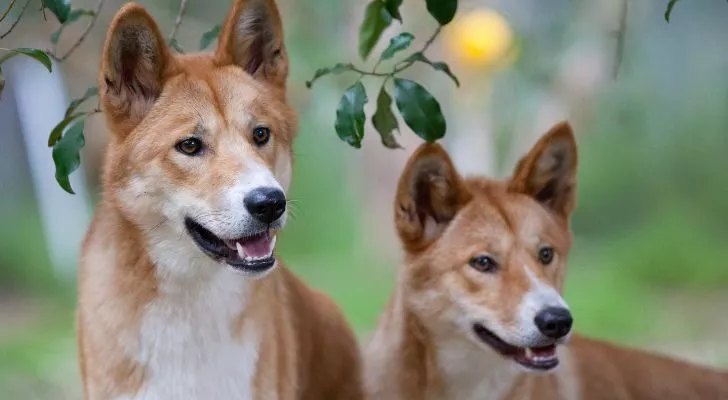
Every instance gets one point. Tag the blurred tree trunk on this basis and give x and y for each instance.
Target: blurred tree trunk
(64, 217)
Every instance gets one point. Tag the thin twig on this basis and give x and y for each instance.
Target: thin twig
(22, 11)
(404, 65)
(398, 67)
(432, 38)
(620, 34)
(178, 22)
(7, 10)
(83, 35)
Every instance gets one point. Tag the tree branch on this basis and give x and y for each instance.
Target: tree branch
(405, 65)
(177, 23)
(7, 10)
(620, 34)
(83, 35)
(22, 11)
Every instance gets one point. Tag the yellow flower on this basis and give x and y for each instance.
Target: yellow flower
(481, 38)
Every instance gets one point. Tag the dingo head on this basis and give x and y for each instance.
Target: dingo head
(486, 259)
(201, 143)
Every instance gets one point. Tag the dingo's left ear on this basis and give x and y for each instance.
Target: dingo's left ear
(252, 38)
(548, 172)
(133, 66)
(429, 195)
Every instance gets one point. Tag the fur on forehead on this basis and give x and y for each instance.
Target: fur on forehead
(495, 205)
(494, 208)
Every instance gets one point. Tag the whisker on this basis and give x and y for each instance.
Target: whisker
(292, 215)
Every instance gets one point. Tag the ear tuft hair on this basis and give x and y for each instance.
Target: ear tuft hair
(252, 38)
(548, 172)
(429, 195)
(133, 65)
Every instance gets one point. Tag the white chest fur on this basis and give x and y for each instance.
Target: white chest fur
(472, 373)
(189, 345)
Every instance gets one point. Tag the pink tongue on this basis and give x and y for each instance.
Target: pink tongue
(256, 246)
(544, 351)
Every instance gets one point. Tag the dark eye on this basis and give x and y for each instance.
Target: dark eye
(483, 263)
(546, 255)
(190, 146)
(261, 135)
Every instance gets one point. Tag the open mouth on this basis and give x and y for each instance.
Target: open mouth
(252, 253)
(534, 358)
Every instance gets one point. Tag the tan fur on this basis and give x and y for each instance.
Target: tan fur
(424, 347)
(300, 344)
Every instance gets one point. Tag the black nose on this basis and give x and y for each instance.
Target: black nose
(554, 322)
(265, 204)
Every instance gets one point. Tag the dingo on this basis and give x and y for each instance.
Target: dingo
(478, 305)
(180, 297)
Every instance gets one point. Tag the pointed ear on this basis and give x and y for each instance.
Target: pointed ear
(548, 172)
(429, 195)
(133, 65)
(252, 38)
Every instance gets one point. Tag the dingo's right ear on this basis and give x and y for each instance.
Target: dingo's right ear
(133, 65)
(548, 172)
(252, 38)
(429, 194)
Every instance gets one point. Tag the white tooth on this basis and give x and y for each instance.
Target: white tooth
(529, 353)
(241, 252)
(272, 246)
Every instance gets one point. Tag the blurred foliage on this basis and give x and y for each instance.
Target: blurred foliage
(24, 264)
(658, 201)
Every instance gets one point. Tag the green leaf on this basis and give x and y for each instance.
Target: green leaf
(350, 115)
(209, 37)
(67, 154)
(336, 69)
(439, 66)
(39, 55)
(384, 120)
(397, 44)
(376, 20)
(668, 11)
(393, 7)
(58, 130)
(442, 10)
(419, 109)
(60, 8)
(73, 16)
(90, 92)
